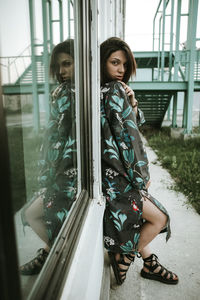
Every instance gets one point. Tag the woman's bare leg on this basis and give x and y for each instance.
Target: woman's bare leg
(146, 252)
(155, 221)
(35, 217)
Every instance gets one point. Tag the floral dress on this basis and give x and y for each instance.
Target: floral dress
(125, 171)
(58, 169)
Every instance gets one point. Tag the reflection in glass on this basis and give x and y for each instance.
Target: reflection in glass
(42, 145)
(57, 179)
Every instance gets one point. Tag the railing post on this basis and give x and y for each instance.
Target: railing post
(163, 41)
(157, 10)
(61, 20)
(153, 33)
(45, 59)
(171, 39)
(9, 78)
(158, 65)
(177, 54)
(169, 111)
(184, 111)
(50, 26)
(174, 114)
(69, 19)
(36, 118)
(191, 45)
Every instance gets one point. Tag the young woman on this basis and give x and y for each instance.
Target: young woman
(58, 176)
(133, 218)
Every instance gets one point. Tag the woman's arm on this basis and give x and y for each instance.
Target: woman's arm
(125, 133)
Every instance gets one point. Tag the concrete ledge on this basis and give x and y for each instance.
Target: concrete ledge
(178, 133)
(188, 136)
(105, 285)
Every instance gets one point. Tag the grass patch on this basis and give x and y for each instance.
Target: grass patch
(181, 158)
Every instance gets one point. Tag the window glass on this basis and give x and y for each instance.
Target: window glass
(40, 104)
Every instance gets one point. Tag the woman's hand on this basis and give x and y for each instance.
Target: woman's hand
(131, 95)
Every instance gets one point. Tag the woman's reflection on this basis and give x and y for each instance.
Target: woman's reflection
(46, 212)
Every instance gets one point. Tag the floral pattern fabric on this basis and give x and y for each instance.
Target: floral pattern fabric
(125, 171)
(58, 169)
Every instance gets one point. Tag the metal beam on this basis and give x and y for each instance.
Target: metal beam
(158, 86)
(24, 89)
(141, 54)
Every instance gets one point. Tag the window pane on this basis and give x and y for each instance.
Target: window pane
(40, 106)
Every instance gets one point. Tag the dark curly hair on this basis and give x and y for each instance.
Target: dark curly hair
(109, 46)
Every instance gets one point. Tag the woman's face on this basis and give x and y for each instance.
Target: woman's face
(65, 66)
(116, 65)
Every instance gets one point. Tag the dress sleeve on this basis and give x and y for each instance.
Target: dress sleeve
(124, 127)
(140, 117)
(58, 151)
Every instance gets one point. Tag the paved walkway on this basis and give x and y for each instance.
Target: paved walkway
(180, 254)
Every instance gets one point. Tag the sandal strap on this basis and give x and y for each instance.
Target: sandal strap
(152, 267)
(122, 270)
(150, 258)
(36, 263)
(42, 254)
(120, 274)
(121, 261)
(124, 263)
(153, 260)
(130, 257)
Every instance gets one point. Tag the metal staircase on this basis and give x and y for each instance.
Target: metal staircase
(26, 76)
(23, 83)
(154, 105)
(154, 96)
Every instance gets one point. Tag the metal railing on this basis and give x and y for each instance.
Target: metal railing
(13, 67)
(184, 62)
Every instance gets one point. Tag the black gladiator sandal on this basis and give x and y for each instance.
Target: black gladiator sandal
(120, 274)
(34, 266)
(152, 263)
